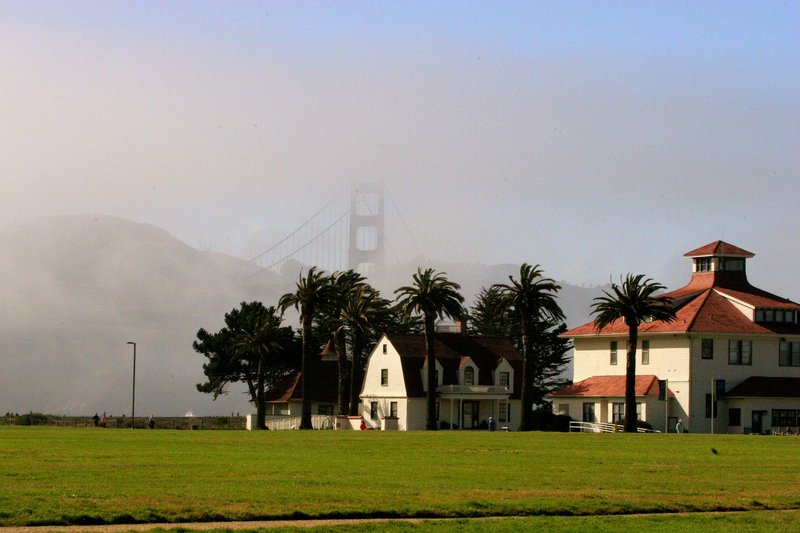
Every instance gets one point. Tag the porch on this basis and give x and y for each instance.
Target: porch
(470, 406)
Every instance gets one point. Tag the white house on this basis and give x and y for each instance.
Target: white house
(477, 378)
(731, 359)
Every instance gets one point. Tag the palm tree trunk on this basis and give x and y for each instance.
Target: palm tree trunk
(261, 407)
(526, 422)
(356, 371)
(430, 420)
(305, 415)
(341, 352)
(630, 380)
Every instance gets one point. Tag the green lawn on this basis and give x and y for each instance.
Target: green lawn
(82, 476)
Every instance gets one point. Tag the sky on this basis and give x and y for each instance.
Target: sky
(592, 138)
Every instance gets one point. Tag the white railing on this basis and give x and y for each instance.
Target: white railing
(603, 427)
(293, 422)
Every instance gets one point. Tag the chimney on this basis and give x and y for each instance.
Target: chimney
(462, 323)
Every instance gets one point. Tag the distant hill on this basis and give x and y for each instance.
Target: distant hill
(76, 289)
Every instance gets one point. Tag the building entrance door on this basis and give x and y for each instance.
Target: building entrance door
(469, 415)
(758, 421)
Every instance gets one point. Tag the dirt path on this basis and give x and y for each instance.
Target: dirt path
(203, 526)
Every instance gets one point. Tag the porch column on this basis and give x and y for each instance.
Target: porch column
(452, 404)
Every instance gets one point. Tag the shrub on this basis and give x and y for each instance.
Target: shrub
(30, 419)
(639, 424)
(545, 420)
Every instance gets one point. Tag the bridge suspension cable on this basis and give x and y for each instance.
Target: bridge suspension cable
(342, 232)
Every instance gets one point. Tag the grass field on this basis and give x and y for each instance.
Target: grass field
(92, 476)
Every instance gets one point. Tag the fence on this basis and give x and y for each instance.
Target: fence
(293, 422)
(113, 422)
(603, 427)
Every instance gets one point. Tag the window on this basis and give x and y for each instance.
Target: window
(707, 349)
(784, 417)
(789, 353)
(393, 409)
(702, 264)
(776, 315)
(325, 409)
(504, 379)
(710, 405)
(588, 412)
(502, 414)
(645, 352)
(638, 410)
(617, 412)
(732, 264)
(384, 377)
(734, 417)
(469, 376)
(385, 349)
(373, 410)
(613, 354)
(740, 352)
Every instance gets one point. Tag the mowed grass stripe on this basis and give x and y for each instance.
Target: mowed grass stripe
(59, 476)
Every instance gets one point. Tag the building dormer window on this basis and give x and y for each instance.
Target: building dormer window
(469, 376)
(776, 316)
(504, 379)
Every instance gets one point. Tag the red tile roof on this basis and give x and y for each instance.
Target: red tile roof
(610, 386)
(704, 305)
(766, 387)
(719, 248)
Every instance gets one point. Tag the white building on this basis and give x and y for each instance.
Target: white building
(477, 378)
(731, 359)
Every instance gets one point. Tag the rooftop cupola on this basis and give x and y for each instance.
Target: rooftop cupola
(724, 262)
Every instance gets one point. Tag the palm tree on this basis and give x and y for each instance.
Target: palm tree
(363, 314)
(634, 302)
(433, 296)
(345, 284)
(532, 299)
(310, 296)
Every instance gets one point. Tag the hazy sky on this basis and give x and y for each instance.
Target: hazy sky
(594, 138)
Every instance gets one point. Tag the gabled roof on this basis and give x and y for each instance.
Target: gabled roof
(451, 348)
(325, 388)
(719, 248)
(706, 304)
(610, 386)
(766, 387)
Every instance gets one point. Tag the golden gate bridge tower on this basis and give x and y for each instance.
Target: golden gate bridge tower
(352, 231)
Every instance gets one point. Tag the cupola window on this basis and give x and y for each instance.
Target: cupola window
(732, 264)
(702, 264)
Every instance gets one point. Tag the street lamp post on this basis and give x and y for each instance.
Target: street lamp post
(133, 389)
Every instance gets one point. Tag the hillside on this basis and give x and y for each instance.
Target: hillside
(78, 288)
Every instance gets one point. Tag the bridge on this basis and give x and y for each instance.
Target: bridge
(360, 228)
